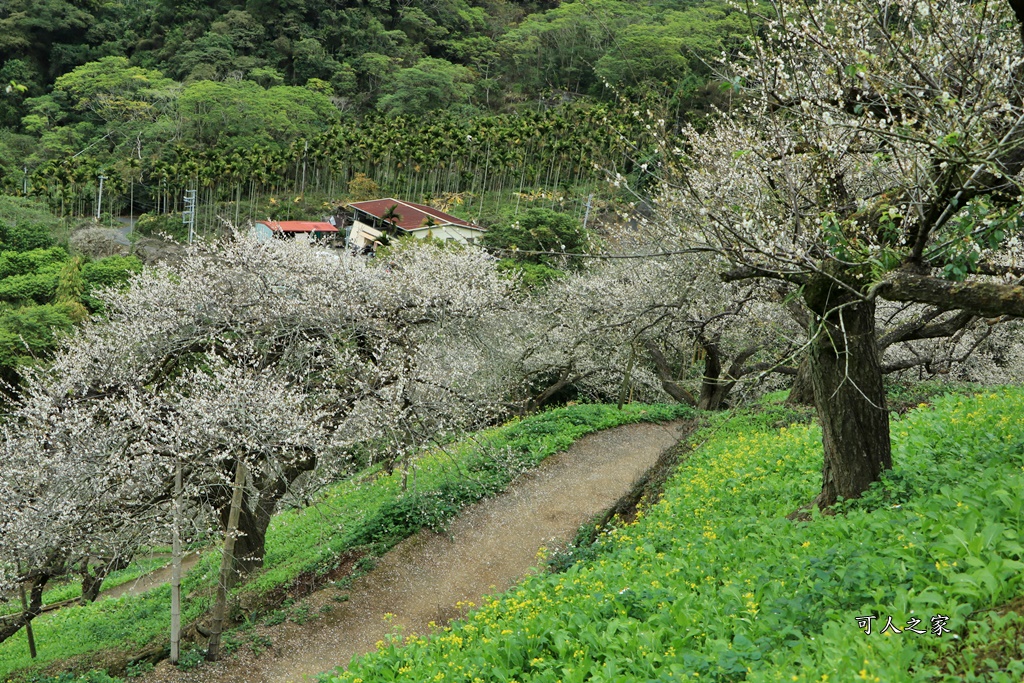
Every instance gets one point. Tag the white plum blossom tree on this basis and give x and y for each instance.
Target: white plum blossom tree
(639, 328)
(876, 155)
(67, 505)
(269, 358)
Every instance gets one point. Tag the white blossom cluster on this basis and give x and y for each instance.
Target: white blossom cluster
(279, 354)
(591, 330)
(857, 120)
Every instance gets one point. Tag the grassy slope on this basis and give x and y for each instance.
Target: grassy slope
(372, 513)
(713, 583)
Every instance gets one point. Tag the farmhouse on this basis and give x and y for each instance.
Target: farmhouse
(266, 230)
(372, 218)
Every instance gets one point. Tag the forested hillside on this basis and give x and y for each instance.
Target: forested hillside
(480, 53)
(248, 101)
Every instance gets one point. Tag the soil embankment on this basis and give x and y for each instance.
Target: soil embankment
(488, 548)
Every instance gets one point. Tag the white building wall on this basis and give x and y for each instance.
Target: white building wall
(447, 232)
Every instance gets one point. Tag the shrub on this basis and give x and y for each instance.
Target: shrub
(539, 230)
(30, 262)
(25, 224)
(361, 188)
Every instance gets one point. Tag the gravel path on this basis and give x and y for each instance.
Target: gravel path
(488, 548)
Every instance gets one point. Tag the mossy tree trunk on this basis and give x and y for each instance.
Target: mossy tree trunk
(848, 394)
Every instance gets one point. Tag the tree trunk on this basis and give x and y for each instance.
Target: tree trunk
(665, 374)
(254, 516)
(553, 391)
(258, 504)
(802, 391)
(848, 394)
(713, 388)
(93, 583)
(28, 623)
(250, 544)
(226, 564)
(12, 623)
(712, 394)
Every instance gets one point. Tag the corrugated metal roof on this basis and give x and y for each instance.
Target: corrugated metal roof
(299, 226)
(411, 216)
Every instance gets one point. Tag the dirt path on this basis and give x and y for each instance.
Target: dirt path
(155, 578)
(139, 586)
(489, 547)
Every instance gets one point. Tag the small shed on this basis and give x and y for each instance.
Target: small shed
(266, 230)
(371, 218)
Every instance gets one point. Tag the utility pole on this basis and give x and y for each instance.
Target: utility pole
(99, 201)
(176, 565)
(586, 216)
(188, 214)
(24, 182)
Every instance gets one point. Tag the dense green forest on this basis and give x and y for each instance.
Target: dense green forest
(250, 102)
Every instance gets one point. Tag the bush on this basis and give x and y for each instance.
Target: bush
(362, 188)
(531, 275)
(31, 261)
(149, 225)
(23, 290)
(112, 271)
(23, 237)
(190, 659)
(29, 334)
(109, 272)
(539, 230)
(26, 224)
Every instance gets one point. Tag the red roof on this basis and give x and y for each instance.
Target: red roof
(410, 216)
(299, 226)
